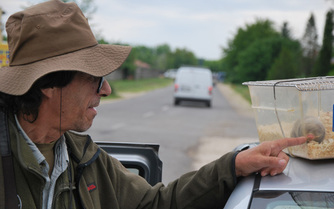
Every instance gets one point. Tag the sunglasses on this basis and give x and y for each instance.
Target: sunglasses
(100, 84)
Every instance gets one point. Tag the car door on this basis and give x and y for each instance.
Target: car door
(139, 158)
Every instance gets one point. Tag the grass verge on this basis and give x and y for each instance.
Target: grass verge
(136, 86)
(242, 90)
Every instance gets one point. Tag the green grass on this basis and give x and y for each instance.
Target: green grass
(242, 90)
(137, 86)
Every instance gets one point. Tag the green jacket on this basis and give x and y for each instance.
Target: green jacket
(99, 181)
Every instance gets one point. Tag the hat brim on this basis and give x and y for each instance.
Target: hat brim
(99, 60)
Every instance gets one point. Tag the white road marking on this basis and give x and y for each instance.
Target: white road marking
(117, 126)
(165, 108)
(148, 114)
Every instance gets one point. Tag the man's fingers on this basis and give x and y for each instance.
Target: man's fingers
(266, 158)
(275, 162)
(288, 142)
(275, 165)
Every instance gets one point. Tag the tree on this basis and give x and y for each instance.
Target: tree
(183, 57)
(310, 46)
(145, 54)
(162, 52)
(285, 31)
(157, 57)
(213, 65)
(323, 63)
(163, 49)
(285, 66)
(245, 38)
(258, 58)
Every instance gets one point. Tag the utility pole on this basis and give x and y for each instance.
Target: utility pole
(1, 13)
(4, 52)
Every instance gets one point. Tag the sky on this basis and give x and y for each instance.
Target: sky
(201, 26)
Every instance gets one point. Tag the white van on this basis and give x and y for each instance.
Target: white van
(193, 84)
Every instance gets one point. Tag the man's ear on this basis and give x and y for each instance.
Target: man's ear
(49, 92)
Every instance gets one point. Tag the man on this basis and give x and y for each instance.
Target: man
(52, 86)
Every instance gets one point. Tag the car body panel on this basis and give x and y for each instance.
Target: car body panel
(139, 158)
(302, 175)
(242, 194)
(308, 182)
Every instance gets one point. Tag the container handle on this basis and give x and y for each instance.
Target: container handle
(279, 121)
(276, 113)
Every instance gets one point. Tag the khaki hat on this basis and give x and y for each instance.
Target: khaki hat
(54, 36)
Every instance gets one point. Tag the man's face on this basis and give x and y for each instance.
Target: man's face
(79, 100)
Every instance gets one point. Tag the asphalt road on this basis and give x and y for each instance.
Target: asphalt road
(189, 135)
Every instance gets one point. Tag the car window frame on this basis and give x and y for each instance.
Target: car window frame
(143, 157)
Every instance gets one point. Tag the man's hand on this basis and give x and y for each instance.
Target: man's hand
(267, 158)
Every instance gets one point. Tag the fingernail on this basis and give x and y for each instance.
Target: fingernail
(282, 162)
(310, 136)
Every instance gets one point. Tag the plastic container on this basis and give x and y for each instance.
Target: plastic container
(296, 107)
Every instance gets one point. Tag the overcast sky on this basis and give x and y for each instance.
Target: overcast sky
(201, 26)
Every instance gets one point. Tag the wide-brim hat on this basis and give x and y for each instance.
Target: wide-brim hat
(54, 36)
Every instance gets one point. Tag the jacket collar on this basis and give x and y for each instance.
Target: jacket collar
(81, 147)
(20, 147)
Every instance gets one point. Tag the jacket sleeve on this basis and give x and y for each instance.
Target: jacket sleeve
(208, 188)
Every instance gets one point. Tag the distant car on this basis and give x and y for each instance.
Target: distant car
(304, 184)
(193, 84)
(171, 73)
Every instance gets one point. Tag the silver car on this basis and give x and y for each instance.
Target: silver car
(304, 184)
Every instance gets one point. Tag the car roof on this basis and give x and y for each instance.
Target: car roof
(189, 68)
(299, 175)
(302, 175)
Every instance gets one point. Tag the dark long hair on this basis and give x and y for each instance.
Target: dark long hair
(28, 104)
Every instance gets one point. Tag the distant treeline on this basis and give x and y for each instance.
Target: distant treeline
(257, 52)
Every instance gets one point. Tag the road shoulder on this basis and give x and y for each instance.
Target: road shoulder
(238, 103)
(212, 148)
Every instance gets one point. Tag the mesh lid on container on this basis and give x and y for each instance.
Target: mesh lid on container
(302, 84)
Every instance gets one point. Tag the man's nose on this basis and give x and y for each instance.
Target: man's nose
(105, 89)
